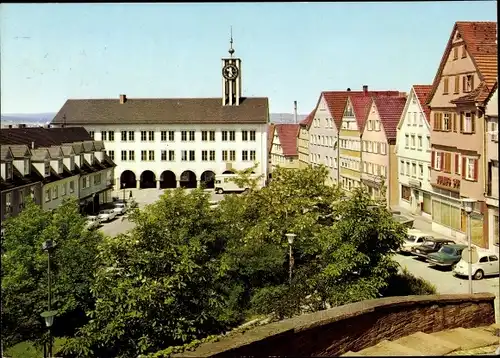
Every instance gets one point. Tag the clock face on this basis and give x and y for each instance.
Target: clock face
(230, 72)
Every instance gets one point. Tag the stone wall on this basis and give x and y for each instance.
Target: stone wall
(355, 326)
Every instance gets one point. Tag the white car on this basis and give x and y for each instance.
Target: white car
(487, 264)
(414, 238)
(92, 222)
(120, 208)
(106, 215)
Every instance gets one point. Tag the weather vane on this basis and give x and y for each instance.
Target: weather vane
(231, 50)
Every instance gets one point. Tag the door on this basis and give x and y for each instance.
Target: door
(493, 265)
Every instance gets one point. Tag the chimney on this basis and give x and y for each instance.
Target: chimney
(365, 88)
(348, 89)
(32, 145)
(123, 98)
(295, 112)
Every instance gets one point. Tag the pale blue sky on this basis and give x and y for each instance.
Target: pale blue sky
(289, 51)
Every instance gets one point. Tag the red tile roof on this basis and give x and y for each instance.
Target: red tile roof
(287, 134)
(361, 107)
(270, 136)
(308, 120)
(390, 110)
(422, 92)
(479, 39)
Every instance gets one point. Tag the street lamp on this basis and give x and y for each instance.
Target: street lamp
(49, 246)
(468, 205)
(290, 238)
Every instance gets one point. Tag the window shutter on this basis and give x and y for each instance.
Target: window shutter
(454, 122)
(435, 121)
(476, 174)
(448, 162)
(461, 122)
(472, 82)
(464, 83)
(433, 154)
(441, 164)
(464, 167)
(457, 84)
(457, 162)
(473, 122)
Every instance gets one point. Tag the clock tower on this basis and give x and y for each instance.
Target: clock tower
(231, 78)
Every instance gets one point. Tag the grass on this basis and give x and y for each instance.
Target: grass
(27, 349)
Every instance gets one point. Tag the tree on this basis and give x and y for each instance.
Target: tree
(24, 272)
(161, 284)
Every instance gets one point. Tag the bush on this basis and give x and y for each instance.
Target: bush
(405, 284)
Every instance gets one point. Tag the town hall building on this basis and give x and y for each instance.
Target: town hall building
(177, 142)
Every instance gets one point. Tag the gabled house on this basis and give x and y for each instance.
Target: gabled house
(303, 140)
(463, 81)
(413, 150)
(492, 177)
(379, 140)
(284, 148)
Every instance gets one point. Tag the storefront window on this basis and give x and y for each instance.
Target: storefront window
(405, 193)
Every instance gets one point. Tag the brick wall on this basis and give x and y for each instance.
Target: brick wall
(355, 326)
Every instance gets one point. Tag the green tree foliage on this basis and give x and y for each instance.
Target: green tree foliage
(24, 272)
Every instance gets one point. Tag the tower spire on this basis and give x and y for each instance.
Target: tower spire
(231, 50)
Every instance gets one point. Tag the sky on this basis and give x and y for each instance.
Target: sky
(289, 51)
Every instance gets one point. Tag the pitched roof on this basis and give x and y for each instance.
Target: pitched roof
(161, 110)
(422, 92)
(43, 137)
(270, 136)
(479, 39)
(390, 110)
(306, 122)
(361, 104)
(19, 150)
(54, 152)
(39, 155)
(67, 150)
(5, 152)
(287, 134)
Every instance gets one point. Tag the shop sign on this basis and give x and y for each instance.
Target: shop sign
(451, 183)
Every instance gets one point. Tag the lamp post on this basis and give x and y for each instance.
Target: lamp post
(468, 205)
(290, 238)
(49, 246)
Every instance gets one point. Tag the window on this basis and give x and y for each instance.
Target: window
(244, 135)
(252, 155)
(9, 170)
(212, 136)
(252, 136)
(420, 142)
(445, 85)
(493, 258)
(224, 155)
(244, 155)
(414, 118)
(163, 155)
(413, 144)
(224, 136)
(184, 155)
(131, 135)
(446, 122)
(232, 155)
(97, 179)
(414, 170)
(131, 155)
(163, 136)
(455, 53)
(212, 155)
(457, 85)
(124, 136)
(420, 171)
(143, 136)
(184, 135)
(64, 189)
(428, 143)
(151, 155)
(103, 135)
(171, 136)
(401, 167)
(111, 154)
(55, 192)
(405, 192)
(232, 136)
(124, 155)
(464, 52)
(91, 133)
(204, 155)
(437, 160)
(470, 168)
(171, 155)
(421, 120)
(204, 136)
(47, 195)
(191, 136)
(407, 140)
(85, 183)
(151, 136)
(468, 125)
(468, 83)
(27, 166)
(377, 125)
(144, 155)
(111, 136)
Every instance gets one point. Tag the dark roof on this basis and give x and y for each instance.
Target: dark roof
(390, 110)
(158, 110)
(361, 105)
(5, 152)
(19, 180)
(306, 122)
(43, 137)
(270, 135)
(287, 134)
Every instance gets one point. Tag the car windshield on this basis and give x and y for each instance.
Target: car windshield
(447, 250)
(429, 243)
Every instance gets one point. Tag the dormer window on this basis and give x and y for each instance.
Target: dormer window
(348, 111)
(81, 159)
(47, 168)
(60, 165)
(8, 171)
(27, 166)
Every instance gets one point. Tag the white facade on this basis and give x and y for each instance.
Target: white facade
(198, 148)
(413, 150)
(323, 140)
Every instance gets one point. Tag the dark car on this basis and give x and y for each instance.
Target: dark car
(448, 255)
(429, 246)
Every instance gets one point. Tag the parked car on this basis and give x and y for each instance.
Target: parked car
(106, 215)
(414, 238)
(487, 264)
(448, 255)
(92, 222)
(120, 208)
(429, 246)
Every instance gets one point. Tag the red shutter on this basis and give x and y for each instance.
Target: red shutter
(476, 172)
(473, 122)
(464, 167)
(461, 122)
(433, 153)
(457, 163)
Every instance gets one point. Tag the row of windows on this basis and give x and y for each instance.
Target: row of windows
(276, 159)
(467, 84)
(328, 122)
(349, 125)
(329, 161)
(413, 141)
(467, 167)
(129, 136)
(375, 169)
(352, 164)
(413, 120)
(410, 169)
(374, 147)
(324, 140)
(350, 144)
(186, 155)
(448, 122)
